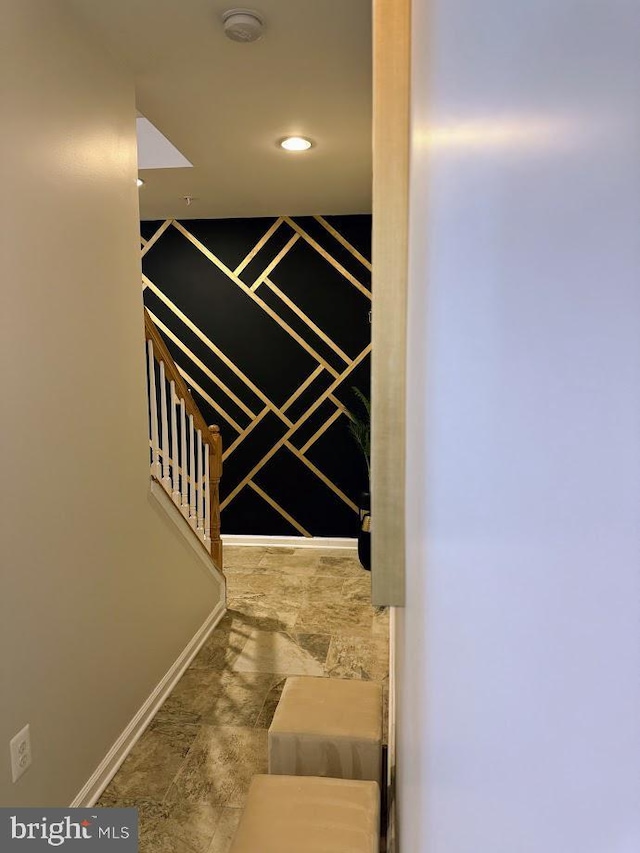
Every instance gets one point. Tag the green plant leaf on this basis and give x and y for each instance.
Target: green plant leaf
(360, 427)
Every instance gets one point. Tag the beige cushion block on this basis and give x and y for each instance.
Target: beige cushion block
(290, 814)
(327, 727)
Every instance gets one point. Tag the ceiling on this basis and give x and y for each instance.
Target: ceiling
(225, 105)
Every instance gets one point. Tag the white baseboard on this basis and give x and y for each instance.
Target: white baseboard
(108, 767)
(392, 816)
(290, 541)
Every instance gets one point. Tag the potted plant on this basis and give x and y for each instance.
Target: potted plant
(360, 428)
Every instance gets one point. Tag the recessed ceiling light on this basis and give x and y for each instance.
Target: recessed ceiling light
(296, 143)
(140, 182)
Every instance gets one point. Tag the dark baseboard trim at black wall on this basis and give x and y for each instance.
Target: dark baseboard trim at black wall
(269, 321)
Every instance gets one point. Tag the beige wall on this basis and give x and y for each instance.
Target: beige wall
(391, 31)
(519, 646)
(99, 594)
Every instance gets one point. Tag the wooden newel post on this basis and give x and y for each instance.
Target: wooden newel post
(215, 472)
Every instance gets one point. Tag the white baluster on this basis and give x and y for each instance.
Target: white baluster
(174, 445)
(164, 434)
(207, 500)
(199, 491)
(193, 518)
(153, 413)
(184, 500)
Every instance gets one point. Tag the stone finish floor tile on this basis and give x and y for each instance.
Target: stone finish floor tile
(380, 624)
(324, 589)
(288, 561)
(220, 766)
(341, 617)
(240, 701)
(291, 611)
(316, 644)
(150, 767)
(357, 589)
(271, 651)
(226, 829)
(181, 828)
(277, 587)
(193, 696)
(340, 566)
(358, 657)
(271, 703)
(222, 648)
(256, 606)
(241, 558)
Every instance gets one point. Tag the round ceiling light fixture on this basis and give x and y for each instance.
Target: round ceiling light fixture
(244, 25)
(140, 182)
(296, 143)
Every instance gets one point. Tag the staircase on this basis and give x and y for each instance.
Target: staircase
(185, 453)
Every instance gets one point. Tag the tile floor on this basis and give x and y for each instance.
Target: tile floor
(291, 612)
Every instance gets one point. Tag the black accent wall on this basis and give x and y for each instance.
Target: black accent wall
(253, 310)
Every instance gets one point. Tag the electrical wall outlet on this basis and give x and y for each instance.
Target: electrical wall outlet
(20, 748)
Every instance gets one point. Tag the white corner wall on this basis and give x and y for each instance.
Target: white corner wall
(99, 593)
(519, 648)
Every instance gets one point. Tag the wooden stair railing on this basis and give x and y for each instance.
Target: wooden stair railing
(186, 453)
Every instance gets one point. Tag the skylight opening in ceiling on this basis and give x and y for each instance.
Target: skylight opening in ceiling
(154, 149)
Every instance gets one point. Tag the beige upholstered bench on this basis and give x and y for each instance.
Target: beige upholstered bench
(327, 727)
(304, 814)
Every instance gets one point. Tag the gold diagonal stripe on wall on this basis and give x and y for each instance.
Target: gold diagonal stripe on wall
(214, 349)
(203, 367)
(279, 509)
(282, 296)
(325, 426)
(335, 384)
(343, 241)
(153, 240)
(303, 387)
(274, 316)
(279, 314)
(354, 281)
(266, 308)
(337, 403)
(261, 242)
(321, 476)
(300, 454)
(274, 263)
(365, 352)
(193, 384)
(245, 432)
(253, 471)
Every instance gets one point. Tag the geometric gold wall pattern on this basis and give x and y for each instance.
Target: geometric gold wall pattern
(268, 321)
